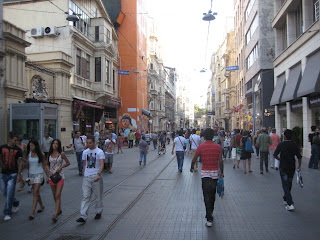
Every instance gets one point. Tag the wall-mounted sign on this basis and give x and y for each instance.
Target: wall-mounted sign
(76, 124)
(88, 126)
(314, 102)
(121, 72)
(232, 68)
(132, 110)
(296, 105)
(282, 108)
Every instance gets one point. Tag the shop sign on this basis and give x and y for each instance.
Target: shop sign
(282, 108)
(269, 112)
(88, 126)
(296, 106)
(314, 102)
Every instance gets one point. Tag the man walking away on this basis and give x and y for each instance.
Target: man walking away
(93, 159)
(263, 142)
(194, 142)
(147, 137)
(79, 146)
(211, 155)
(275, 141)
(235, 142)
(137, 136)
(180, 144)
(315, 148)
(143, 145)
(155, 140)
(288, 150)
(131, 138)
(46, 143)
(11, 164)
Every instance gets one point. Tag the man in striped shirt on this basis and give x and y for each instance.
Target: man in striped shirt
(211, 156)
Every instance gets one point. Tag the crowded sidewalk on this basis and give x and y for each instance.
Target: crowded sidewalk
(157, 201)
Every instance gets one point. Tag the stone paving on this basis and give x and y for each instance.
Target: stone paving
(158, 202)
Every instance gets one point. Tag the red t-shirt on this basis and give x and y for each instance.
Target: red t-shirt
(238, 139)
(209, 152)
(137, 135)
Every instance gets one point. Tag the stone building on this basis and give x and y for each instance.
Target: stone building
(296, 94)
(80, 57)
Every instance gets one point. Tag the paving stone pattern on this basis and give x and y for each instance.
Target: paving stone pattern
(171, 207)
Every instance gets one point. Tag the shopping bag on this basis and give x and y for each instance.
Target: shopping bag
(220, 187)
(299, 178)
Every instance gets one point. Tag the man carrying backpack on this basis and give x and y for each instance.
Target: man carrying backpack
(79, 146)
(314, 139)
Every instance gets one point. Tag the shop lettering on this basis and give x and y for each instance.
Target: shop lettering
(298, 105)
(315, 101)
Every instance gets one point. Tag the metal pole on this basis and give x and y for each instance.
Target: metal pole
(254, 111)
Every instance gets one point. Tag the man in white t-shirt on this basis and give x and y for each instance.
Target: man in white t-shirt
(93, 159)
(46, 143)
(79, 145)
(194, 144)
(180, 145)
(109, 146)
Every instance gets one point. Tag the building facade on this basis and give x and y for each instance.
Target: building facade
(296, 66)
(78, 62)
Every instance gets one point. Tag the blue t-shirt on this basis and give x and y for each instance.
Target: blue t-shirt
(216, 138)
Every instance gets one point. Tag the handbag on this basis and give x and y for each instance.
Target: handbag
(184, 147)
(220, 187)
(55, 178)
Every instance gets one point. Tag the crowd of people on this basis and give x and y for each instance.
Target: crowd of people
(94, 154)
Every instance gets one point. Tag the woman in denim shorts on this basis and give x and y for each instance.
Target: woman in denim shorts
(35, 164)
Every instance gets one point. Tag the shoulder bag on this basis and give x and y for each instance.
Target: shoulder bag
(184, 147)
(238, 148)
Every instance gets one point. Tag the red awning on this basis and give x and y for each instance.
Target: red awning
(86, 104)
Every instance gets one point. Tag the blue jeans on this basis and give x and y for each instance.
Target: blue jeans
(79, 160)
(144, 156)
(8, 187)
(226, 151)
(315, 155)
(155, 143)
(286, 179)
(180, 158)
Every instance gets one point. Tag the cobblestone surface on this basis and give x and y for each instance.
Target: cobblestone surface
(141, 204)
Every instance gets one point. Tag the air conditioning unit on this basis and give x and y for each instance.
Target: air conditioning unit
(36, 32)
(51, 31)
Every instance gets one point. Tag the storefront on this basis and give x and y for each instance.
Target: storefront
(314, 105)
(32, 120)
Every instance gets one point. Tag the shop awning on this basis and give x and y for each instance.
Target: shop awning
(278, 90)
(310, 82)
(293, 82)
(86, 104)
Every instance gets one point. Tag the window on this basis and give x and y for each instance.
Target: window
(78, 62)
(299, 20)
(315, 10)
(151, 66)
(95, 12)
(227, 103)
(88, 67)
(152, 86)
(249, 85)
(97, 69)
(113, 80)
(151, 105)
(253, 56)
(219, 97)
(108, 71)
(219, 82)
(108, 37)
(252, 29)
(84, 22)
(248, 10)
(284, 36)
(160, 105)
(218, 68)
(96, 33)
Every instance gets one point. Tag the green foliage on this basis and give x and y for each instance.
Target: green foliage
(198, 112)
(297, 135)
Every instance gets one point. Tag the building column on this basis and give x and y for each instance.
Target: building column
(307, 123)
(288, 105)
(277, 120)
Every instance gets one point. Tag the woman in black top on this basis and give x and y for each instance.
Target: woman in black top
(244, 154)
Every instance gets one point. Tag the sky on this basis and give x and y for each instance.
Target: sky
(183, 36)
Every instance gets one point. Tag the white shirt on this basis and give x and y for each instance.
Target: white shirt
(96, 136)
(78, 144)
(180, 142)
(114, 136)
(47, 143)
(194, 141)
(84, 139)
(92, 158)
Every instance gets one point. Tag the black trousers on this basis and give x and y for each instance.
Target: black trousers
(130, 143)
(209, 187)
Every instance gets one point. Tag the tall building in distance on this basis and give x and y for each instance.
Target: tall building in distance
(296, 94)
(131, 25)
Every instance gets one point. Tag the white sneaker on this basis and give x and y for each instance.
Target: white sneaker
(209, 224)
(7, 218)
(15, 209)
(289, 207)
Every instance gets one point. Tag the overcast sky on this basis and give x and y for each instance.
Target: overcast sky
(183, 35)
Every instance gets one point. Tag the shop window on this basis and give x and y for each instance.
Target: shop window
(27, 128)
(113, 80)
(108, 36)
(50, 126)
(97, 69)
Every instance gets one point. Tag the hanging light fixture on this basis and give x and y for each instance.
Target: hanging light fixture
(73, 17)
(209, 16)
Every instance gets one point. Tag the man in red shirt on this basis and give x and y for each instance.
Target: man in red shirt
(137, 135)
(211, 156)
(275, 141)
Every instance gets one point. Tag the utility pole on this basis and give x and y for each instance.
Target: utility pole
(2, 137)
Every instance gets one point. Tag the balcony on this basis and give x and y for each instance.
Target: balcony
(153, 92)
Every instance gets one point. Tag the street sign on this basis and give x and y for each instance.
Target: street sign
(232, 68)
(121, 72)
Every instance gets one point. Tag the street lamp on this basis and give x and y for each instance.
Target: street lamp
(209, 16)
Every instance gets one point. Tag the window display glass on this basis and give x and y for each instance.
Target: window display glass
(27, 129)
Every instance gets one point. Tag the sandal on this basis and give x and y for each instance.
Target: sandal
(54, 219)
(250, 171)
(40, 210)
(31, 217)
